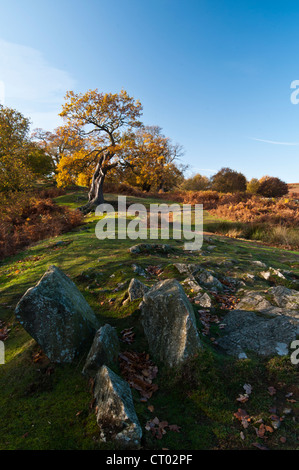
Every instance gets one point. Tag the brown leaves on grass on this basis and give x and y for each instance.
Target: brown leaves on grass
(226, 301)
(39, 357)
(139, 371)
(243, 398)
(263, 428)
(127, 336)
(243, 417)
(154, 270)
(4, 330)
(206, 318)
(158, 428)
(272, 391)
(260, 446)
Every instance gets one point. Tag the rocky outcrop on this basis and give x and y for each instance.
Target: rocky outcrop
(203, 277)
(246, 331)
(271, 272)
(104, 350)
(285, 298)
(137, 290)
(151, 248)
(209, 281)
(254, 300)
(169, 323)
(203, 300)
(57, 316)
(115, 410)
(276, 301)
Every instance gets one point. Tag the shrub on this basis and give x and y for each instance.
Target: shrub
(228, 181)
(253, 186)
(26, 218)
(196, 183)
(272, 187)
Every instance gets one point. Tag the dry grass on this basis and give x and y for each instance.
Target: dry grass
(294, 190)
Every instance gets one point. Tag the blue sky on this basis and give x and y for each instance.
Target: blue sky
(214, 74)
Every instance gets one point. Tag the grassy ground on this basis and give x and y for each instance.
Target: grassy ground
(46, 406)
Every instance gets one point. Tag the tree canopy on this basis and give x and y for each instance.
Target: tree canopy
(228, 181)
(98, 122)
(196, 183)
(20, 159)
(107, 138)
(272, 187)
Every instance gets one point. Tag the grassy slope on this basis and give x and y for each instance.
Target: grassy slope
(47, 407)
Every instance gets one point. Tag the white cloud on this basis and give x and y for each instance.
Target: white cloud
(32, 85)
(274, 142)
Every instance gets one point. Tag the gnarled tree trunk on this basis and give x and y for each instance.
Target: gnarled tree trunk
(95, 195)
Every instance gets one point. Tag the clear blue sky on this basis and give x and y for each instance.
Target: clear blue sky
(214, 74)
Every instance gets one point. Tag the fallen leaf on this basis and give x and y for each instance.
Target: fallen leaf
(259, 446)
(174, 427)
(272, 391)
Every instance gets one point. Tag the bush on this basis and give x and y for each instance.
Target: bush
(27, 218)
(196, 183)
(272, 187)
(253, 186)
(228, 181)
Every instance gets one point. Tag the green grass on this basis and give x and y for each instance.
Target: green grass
(48, 407)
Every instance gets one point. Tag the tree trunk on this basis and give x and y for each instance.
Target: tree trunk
(95, 195)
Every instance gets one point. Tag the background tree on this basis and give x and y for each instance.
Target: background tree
(39, 162)
(57, 144)
(99, 122)
(228, 181)
(253, 186)
(21, 161)
(152, 160)
(196, 183)
(272, 187)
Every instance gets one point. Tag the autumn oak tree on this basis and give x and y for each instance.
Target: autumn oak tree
(100, 123)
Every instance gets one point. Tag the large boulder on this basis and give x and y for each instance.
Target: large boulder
(137, 290)
(246, 331)
(169, 323)
(57, 316)
(104, 350)
(115, 410)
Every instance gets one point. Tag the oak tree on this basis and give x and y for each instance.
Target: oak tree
(99, 122)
